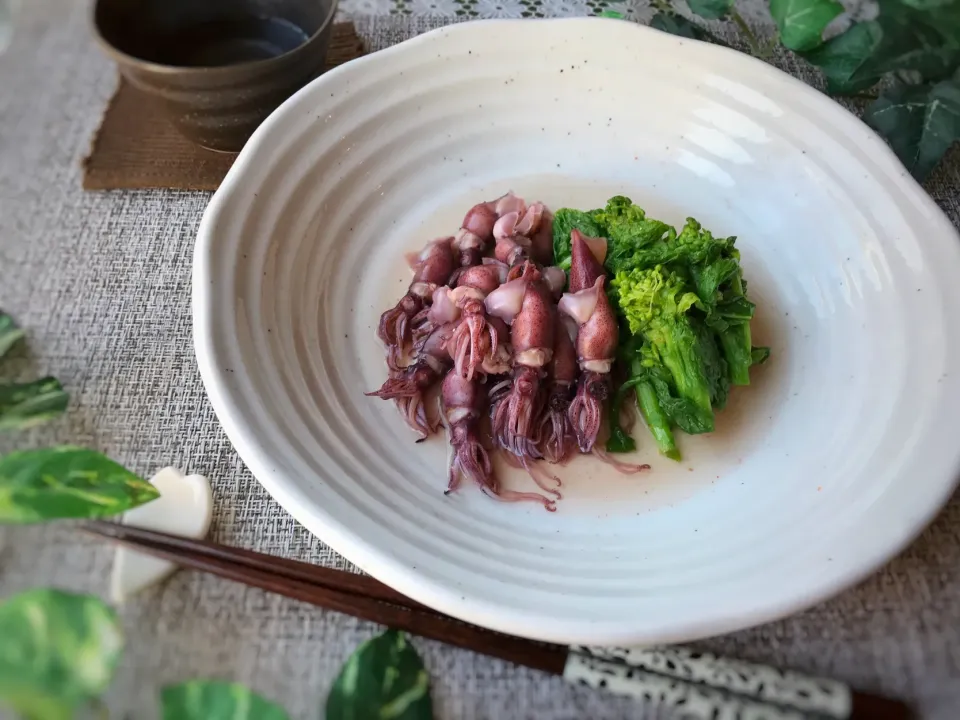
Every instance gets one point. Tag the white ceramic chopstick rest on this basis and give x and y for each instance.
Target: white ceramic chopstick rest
(185, 508)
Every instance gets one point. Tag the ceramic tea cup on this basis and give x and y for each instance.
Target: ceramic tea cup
(220, 67)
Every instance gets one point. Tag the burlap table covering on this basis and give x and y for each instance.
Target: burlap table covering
(102, 281)
(137, 148)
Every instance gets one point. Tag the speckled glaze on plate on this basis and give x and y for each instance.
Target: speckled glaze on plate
(838, 455)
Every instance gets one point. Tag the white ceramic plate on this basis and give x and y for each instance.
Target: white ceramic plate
(837, 456)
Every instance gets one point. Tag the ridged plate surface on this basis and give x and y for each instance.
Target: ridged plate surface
(831, 462)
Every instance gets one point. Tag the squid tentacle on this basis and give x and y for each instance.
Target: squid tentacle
(414, 413)
(618, 465)
(586, 410)
(557, 435)
(545, 480)
(417, 378)
(511, 496)
(470, 460)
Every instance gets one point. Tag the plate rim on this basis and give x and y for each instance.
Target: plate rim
(369, 556)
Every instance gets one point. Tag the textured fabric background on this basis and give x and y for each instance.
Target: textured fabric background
(102, 281)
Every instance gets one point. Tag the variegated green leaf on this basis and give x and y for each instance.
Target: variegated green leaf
(215, 700)
(23, 405)
(384, 679)
(9, 333)
(66, 482)
(58, 652)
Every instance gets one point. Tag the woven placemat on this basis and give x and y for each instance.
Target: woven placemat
(135, 146)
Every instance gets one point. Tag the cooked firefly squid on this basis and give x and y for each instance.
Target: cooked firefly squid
(479, 227)
(597, 337)
(556, 433)
(476, 342)
(407, 386)
(463, 405)
(514, 233)
(481, 318)
(432, 267)
(517, 409)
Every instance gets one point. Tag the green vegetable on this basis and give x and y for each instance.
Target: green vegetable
(383, 680)
(9, 333)
(714, 365)
(655, 304)
(656, 419)
(646, 377)
(685, 318)
(28, 404)
(215, 700)
(731, 320)
(66, 482)
(656, 243)
(620, 441)
(802, 22)
(760, 355)
(681, 411)
(629, 232)
(920, 122)
(565, 221)
(58, 652)
(738, 352)
(735, 309)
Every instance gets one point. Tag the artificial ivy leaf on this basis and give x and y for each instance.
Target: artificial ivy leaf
(9, 333)
(802, 22)
(927, 4)
(901, 39)
(59, 651)
(215, 700)
(843, 59)
(710, 9)
(383, 679)
(926, 42)
(920, 122)
(28, 404)
(66, 482)
(678, 25)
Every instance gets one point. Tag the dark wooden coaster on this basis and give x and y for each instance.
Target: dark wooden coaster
(135, 146)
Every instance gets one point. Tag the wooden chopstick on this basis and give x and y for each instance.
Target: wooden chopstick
(368, 599)
(337, 590)
(283, 567)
